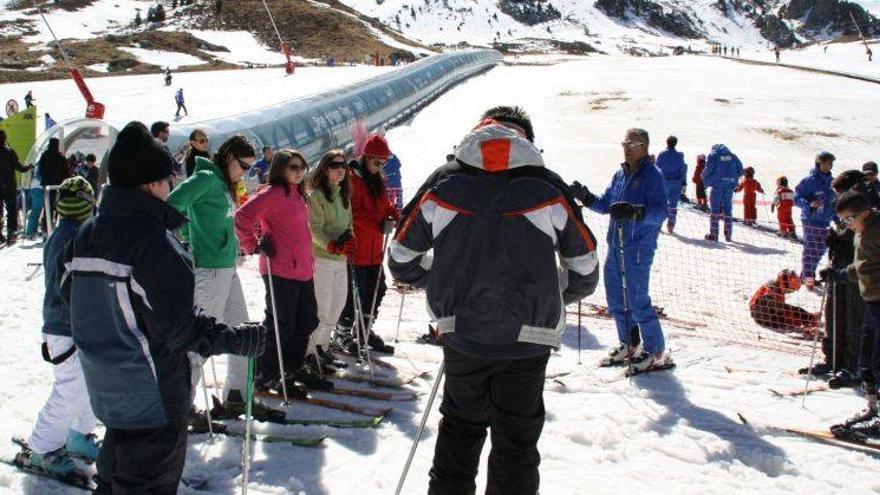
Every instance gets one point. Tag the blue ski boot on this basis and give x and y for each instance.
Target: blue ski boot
(82, 446)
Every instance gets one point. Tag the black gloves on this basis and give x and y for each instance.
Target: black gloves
(626, 211)
(829, 274)
(582, 194)
(388, 225)
(248, 339)
(344, 237)
(265, 246)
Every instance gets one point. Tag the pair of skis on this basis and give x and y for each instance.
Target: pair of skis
(852, 441)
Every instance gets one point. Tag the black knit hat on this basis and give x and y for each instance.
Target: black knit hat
(137, 158)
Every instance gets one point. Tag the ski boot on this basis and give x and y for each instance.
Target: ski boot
(317, 365)
(328, 359)
(378, 345)
(710, 237)
(311, 379)
(86, 447)
(58, 463)
(843, 379)
(869, 414)
(646, 362)
(198, 423)
(818, 370)
(234, 407)
(728, 238)
(618, 355)
(433, 337)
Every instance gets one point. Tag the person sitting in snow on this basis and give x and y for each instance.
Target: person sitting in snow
(64, 426)
(768, 307)
(749, 187)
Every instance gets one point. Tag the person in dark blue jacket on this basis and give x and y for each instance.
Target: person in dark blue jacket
(63, 429)
(674, 169)
(393, 182)
(722, 173)
(815, 197)
(637, 202)
(130, 287)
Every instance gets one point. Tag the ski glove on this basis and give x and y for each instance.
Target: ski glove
(249, 340)
(626, 211)
(582, 194)
(344, 237)
(346, 247)
(265, 246)
(388, 225)
(829, 274)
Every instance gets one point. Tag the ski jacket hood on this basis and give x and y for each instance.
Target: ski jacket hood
(723, 169)
(495, 148)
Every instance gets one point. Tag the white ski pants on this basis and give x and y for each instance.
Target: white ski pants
(219, 294)
(331, 290)
(68, 405)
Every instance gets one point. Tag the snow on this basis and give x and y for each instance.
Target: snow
(841, 57)
(163, 59)
(244, 48)
(872, 6)
(100, 17)
(99, 67)
(675, 432)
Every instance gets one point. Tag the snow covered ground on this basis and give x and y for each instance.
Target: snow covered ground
(840, 57)
(669, 433)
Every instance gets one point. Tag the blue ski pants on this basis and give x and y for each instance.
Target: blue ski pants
(637, 310)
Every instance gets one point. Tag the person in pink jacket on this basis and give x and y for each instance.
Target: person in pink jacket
(275, 222)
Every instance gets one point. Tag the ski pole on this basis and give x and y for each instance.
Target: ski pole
(579, 332)
(214, 371)
(363, 347)
(378, 281)
(766, 209)
(813, 353)
(249, 420)
(834, 328)
(277, 331)
(399, 316)
(207, 402)
(415, 445)
(625, 300)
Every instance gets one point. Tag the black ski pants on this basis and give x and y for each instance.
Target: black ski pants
(869, 363)
(297, 319)
(503, 395)
(845, 327)
(142, 461)
(366, 277)
(7, 200)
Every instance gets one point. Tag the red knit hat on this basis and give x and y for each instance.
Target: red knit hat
(377, 147)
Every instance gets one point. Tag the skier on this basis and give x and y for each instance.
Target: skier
(333, 244)
(196, 147)
(393, 182)
(281, 216)
(65, 424)
(783, 201)
(29, 99)
(261, 168)
(91, 172)
(636, 201)
(178, 98)
(777, 52)
(854, 211)
(768, 308)
(374, 218)
(749, 187)
(131, 286)
(53, 170)
(8, 165)
(674, 169)
(697, 179)
(815, 197)
(207, 198)
(872, 184)
(869, 53)
(722, 173)
(502, 315)
(168, 76)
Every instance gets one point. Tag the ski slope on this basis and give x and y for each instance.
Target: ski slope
(840, 57)
(669, 433)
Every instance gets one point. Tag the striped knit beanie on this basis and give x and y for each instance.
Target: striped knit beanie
(76, 199)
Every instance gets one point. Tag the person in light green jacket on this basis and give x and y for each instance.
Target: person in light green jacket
(332, 242)
(207, 198)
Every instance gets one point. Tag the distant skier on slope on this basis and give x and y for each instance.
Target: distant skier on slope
(768, 308)
(64, 427)
(854, 211)
(501, 316)
(722, 173)
(636, 200)
(674, 169)
(181, 105)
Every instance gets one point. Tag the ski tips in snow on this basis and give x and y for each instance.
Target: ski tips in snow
(81, 479)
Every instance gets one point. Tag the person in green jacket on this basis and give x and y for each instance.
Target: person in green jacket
(332, 243)
(207, 198)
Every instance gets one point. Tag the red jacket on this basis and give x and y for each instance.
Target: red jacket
(698, 172)
(769, 290)
(749, 187)
(784, 201)
(368, 214)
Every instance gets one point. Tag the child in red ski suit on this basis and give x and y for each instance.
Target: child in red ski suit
(749, 187)
(768, 307)
(783, 202)
(697, 179)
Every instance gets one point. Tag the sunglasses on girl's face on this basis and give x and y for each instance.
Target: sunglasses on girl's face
(334, 165)
(243, 165)
(296, 168)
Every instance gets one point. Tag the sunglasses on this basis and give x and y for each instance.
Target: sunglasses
(243, 165)
(296, 168)
(631, 144)
(334, 165)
